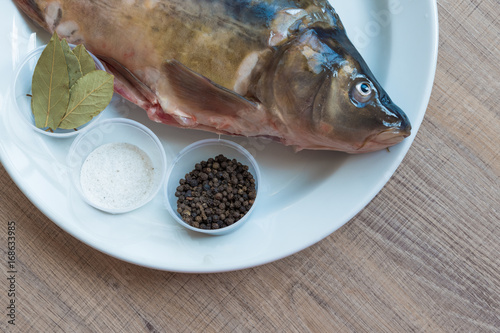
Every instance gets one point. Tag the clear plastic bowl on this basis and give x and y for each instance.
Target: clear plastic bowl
(22, 87)
(202, 151)
(118, 130)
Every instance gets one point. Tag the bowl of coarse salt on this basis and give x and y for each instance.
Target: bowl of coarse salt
(117, 166)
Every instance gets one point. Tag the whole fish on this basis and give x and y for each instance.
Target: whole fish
(282, 69)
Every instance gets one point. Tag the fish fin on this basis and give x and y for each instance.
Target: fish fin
(125, 75)
(131, 88)
(32, 9)
(200, 95)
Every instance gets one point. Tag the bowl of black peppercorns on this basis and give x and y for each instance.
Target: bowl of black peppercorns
(212, 186)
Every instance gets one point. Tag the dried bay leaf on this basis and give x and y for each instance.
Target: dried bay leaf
(50, 86)
(87, 63)
(88, 97)
(72, 62)
(67, 90)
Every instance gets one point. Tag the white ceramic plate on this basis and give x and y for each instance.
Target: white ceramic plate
(305, 196)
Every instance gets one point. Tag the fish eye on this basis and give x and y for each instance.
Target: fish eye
(363, 88)
(361, 93)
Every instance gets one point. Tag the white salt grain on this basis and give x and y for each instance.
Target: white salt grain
(117, 176)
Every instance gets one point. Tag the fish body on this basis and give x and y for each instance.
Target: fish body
(276, 68)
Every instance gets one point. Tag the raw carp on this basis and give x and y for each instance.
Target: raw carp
(278, 68)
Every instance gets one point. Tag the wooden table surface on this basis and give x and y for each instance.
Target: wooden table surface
(423, 256)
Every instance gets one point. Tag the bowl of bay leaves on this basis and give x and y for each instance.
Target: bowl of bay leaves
(61, 89)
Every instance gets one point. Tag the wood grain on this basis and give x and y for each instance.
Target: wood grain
(424, 256)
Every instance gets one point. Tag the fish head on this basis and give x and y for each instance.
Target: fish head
(336, 96)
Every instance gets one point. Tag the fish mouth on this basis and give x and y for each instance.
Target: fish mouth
(393, 133)
(384, 139)
(391, 136)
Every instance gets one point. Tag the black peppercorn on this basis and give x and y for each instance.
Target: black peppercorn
(216, 193)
